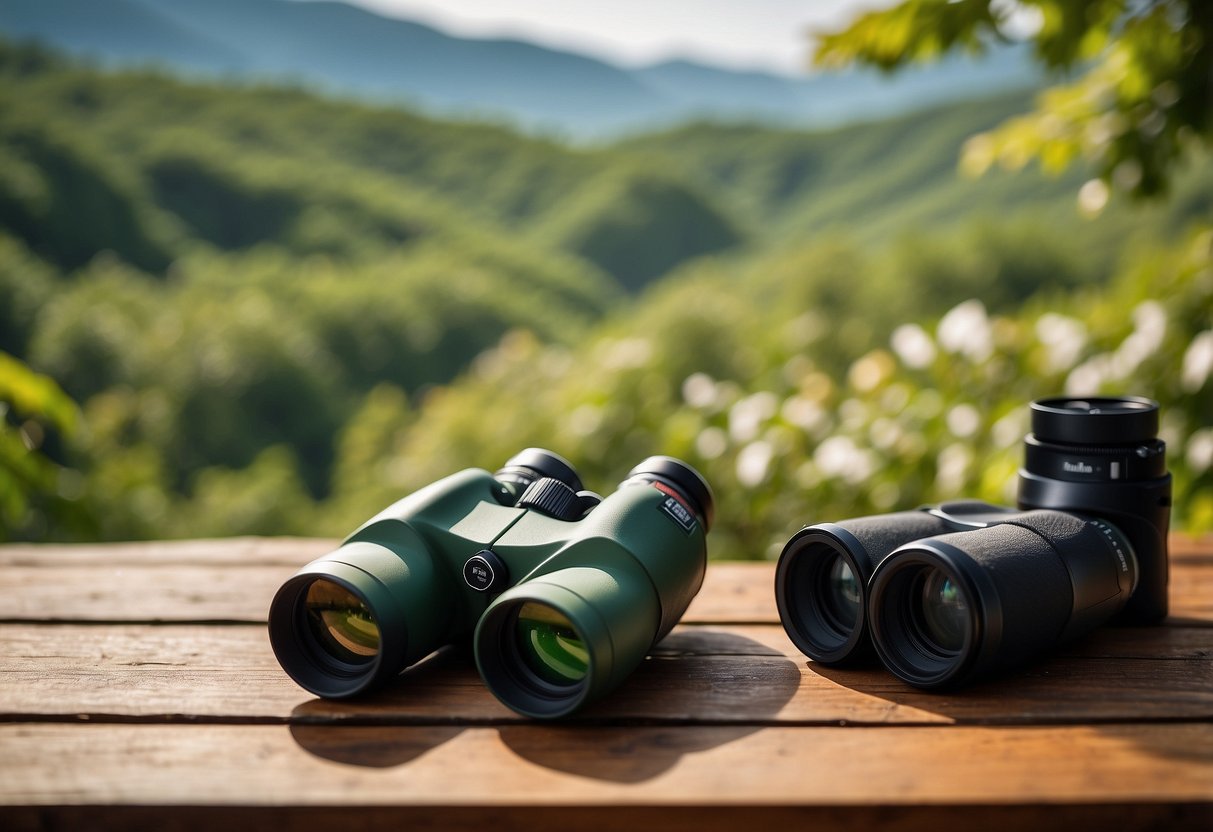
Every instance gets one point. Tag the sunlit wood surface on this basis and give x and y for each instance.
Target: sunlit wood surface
(138, 690)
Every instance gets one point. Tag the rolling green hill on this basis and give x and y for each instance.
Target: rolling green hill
(275, 308)
(874, 182)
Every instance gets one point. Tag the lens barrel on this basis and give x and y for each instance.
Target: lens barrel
(948, 609)
(551, 644)
(1100, 420)
(821, 580)
(1101, 457)
(358, 616)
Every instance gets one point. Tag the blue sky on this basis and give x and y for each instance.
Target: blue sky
(743, 34)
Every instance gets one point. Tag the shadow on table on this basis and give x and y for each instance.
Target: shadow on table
(371, 746)
(699, 690)
(1119, 681)
(388, 728)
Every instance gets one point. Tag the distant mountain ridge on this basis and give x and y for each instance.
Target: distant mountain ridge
(349, 50)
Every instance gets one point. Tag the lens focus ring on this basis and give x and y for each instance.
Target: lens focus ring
(1122, 420)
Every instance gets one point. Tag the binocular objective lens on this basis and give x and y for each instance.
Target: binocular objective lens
(340, 623)
(941, 612)
(550, 646)
(841, 594)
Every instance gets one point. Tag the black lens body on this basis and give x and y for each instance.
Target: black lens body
(947, 609)
(1103, 457)
(809, 602)
(966, 589)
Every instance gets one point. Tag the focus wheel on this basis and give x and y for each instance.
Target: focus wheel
(553, 498)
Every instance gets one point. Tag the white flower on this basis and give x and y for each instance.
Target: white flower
(804, 413)
(699, 390)
(753, 463)
(1150, 327)
(711, 443)
(951, 468)
(838, 456)
(747, 416)
(885, 434)
(1200, 451)
(913, 346)
(1088, 377)
(963, 420)
(1092, 197)
(1065, 338)
(965, 330)
(1198, 362)
(1010, 428)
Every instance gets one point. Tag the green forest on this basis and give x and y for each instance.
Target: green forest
(242, 309)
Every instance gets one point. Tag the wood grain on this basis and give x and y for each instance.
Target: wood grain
(719, 674)
(138, 690)
(211, 581)
(528, 764)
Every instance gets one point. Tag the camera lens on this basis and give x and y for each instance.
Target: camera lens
(940, 613)
(340, 623)
(1122, 420)
(1091, 441)
(1101, 457)
(549, 645)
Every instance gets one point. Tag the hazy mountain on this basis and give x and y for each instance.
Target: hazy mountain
(126, 31)
(834, 98)
(349, 50)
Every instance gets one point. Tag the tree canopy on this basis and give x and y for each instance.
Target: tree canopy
(1141, 102)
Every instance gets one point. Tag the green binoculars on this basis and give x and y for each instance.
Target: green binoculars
(563, 591)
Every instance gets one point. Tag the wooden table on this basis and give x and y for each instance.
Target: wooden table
(139, 691)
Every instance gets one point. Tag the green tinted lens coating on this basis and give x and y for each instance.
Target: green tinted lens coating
(944, 611)
(341, 623)
(549, 645)
(842, 594)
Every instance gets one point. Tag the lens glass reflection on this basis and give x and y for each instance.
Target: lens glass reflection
(841, 594)
(944, 611)
(549, 645)
(340, 622)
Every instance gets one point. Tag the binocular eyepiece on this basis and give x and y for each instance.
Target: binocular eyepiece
(563, 591)
(950, 593)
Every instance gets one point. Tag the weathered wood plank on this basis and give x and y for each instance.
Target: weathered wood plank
(223, 551)
(355, 766)
(750, 674)
(66, 584)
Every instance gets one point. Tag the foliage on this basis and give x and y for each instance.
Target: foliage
(280, 312)
(932, 408)
(637, 226)
(1143, 102)
(36, 494)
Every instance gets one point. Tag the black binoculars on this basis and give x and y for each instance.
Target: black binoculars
(947, 594)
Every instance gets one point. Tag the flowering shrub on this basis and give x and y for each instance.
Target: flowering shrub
(931, 411)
